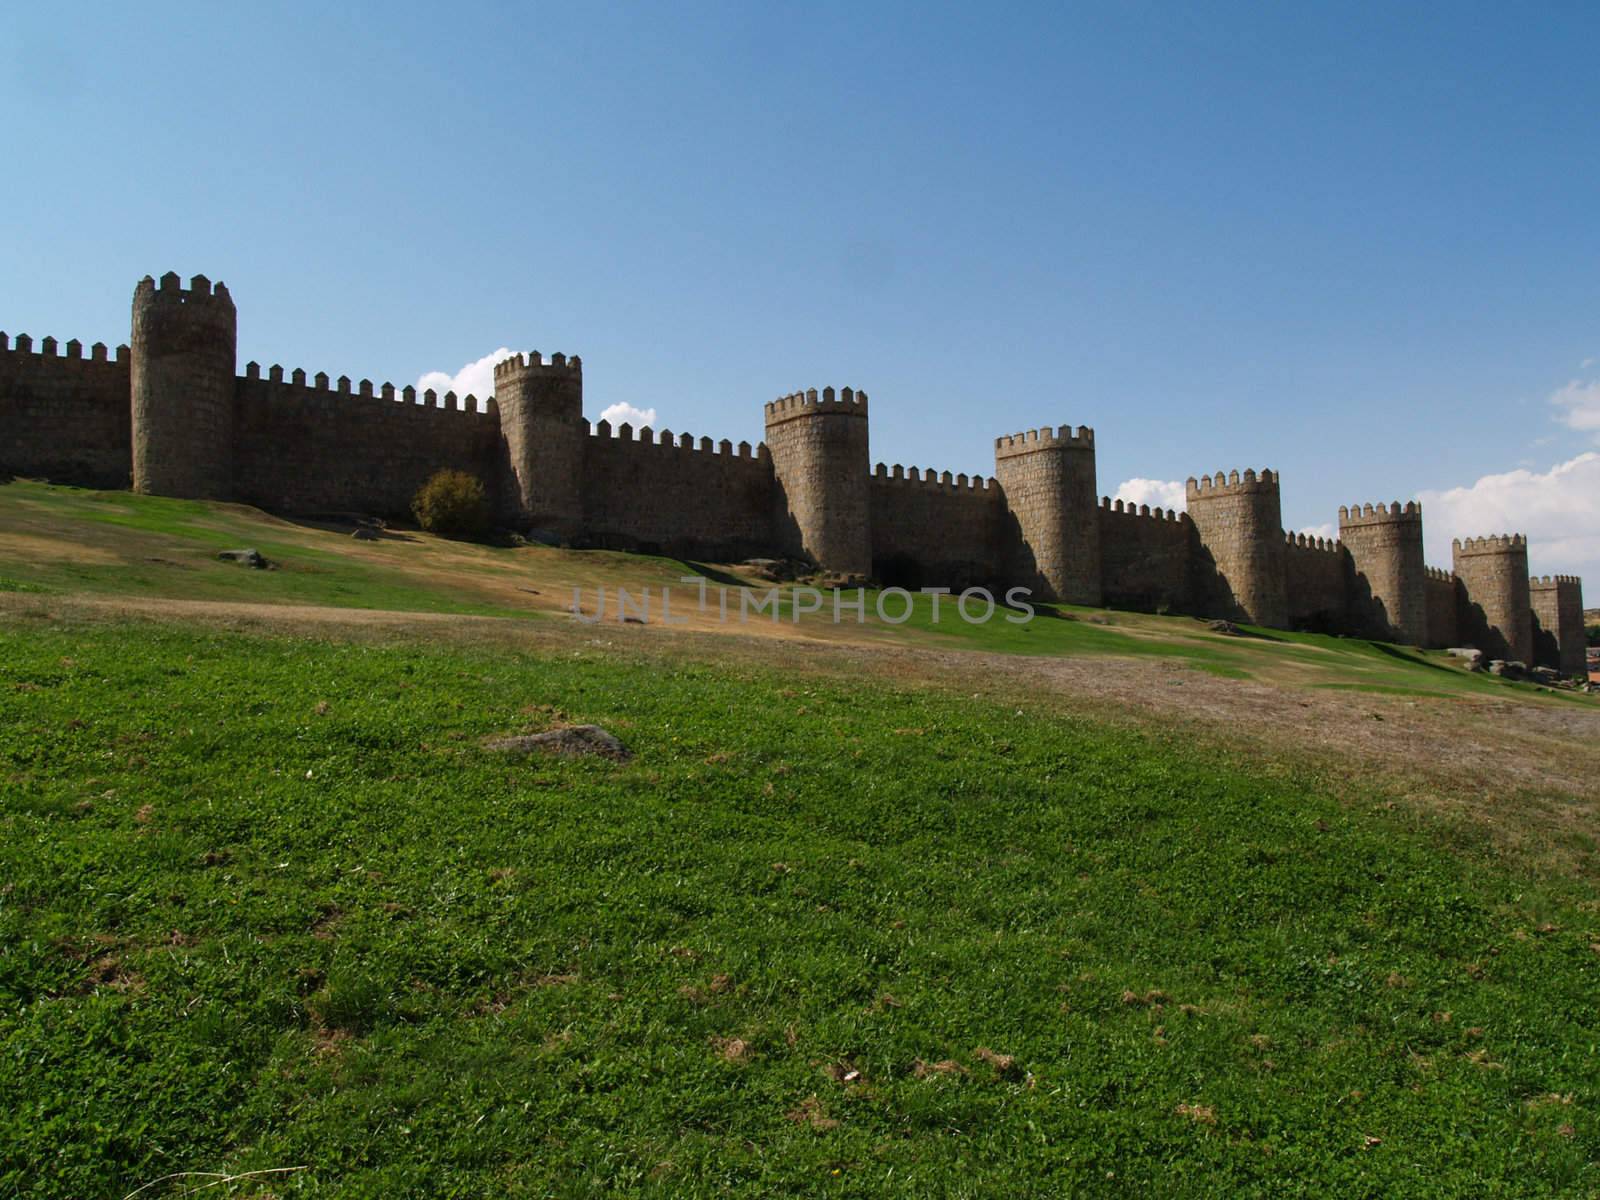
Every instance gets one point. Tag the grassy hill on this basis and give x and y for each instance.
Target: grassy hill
(56, 540)
(1128, 909)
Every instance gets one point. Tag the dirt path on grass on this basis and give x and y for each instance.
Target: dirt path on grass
(1524, 768)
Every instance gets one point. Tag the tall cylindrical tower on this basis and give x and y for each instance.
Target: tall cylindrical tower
(1240, 523)
(1385, 545)
(542, 427)
(821, 465)
(1048, 480)
(1496, 615)
(183, 351)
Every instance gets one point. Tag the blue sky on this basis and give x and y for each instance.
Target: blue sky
(1358, 244)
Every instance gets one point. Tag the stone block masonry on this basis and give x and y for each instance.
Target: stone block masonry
(1241, 532)
(169, 415)
(1385, 547)
(1559, 637)
(1051, 538)
(64, 414)
(1496, 614)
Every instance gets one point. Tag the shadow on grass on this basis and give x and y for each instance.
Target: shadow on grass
(711, 573)
(1416, 660)
(348, 523)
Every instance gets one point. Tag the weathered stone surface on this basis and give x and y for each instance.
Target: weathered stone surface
(1391, 581)
(250, 558)
(1241, 529)
(1496, 615)
(1559, 635)
(574, 742)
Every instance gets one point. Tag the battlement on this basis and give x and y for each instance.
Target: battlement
(1367, 514)
(50, 348)
(170, 290)
(807, 403)
(177, 407)
(1494, 544)
(534, 361)
(1308, 541)
(939, 480)
(1129, 509)
(321, 387)
(1209, 487)
(1030, 441)
(627, 435)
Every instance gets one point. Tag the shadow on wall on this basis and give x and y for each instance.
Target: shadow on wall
(1021, 566)
(1369, 616)
(1473, 630)
(1546, 648)
(908, 572)
(1212, 594)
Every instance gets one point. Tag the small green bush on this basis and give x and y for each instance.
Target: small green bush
(1594, 635)
(452, 503)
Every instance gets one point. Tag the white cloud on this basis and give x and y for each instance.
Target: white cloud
(1325, 530)
(1157, 493)
(474, 379)
(1558, 509)
(1579, 405)
(637, 417)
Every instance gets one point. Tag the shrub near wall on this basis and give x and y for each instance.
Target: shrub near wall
(452, 503)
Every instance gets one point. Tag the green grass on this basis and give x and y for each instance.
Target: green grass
(267, 903)
(155, 546)
(124, 545)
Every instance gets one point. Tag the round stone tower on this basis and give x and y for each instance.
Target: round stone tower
(1053, 545)
(820, 462)
(544, 433)
(1239, 520)
(183, 350)
(1385, 545)
(1497, 613)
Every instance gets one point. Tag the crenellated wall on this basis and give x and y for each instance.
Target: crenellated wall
(1316, 582)
(65, 416)
(1558, 632)
(169, 414)
(316, 446)
(934, 529)
(1147, 557)
(670, 494)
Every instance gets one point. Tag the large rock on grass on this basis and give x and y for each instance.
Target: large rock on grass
(577, 741)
